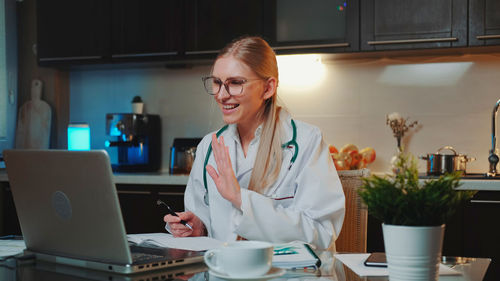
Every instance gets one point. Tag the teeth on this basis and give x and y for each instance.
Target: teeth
(229, 106)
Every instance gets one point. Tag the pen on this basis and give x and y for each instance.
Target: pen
(159, 202)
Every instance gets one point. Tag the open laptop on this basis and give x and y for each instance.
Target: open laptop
(69, 213)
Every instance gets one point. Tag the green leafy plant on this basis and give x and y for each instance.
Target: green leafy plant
(403, 200)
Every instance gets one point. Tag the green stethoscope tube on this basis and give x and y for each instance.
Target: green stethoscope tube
(292, 142)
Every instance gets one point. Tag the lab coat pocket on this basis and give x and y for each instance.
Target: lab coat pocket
(283, 200)
(284, 194)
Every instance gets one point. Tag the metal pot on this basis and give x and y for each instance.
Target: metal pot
(439, 164)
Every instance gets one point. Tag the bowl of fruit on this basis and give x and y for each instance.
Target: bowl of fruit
(350, 158)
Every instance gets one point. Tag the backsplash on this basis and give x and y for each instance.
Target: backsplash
(452, 98)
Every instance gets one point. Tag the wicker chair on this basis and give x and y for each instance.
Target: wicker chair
(352, 237)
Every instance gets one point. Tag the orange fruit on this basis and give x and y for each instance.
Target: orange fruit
(332, 149)
(348, 148)
(368, 154)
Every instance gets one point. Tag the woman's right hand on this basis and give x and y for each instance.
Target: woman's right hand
(179, 230)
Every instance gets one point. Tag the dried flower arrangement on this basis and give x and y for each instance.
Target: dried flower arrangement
(399, 126)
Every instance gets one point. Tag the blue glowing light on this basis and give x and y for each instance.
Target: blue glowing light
(78, 136)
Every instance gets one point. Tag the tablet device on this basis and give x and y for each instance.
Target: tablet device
(376, 259)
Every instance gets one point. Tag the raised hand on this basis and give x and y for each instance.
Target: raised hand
(224, 176)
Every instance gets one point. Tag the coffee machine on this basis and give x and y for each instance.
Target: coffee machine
(137, 138)
(182, 154)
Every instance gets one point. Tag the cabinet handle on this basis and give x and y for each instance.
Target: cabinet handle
(70, 58)
(202, 52)
(144, 55)
(134, 192)
(313, 46)
(411, 41)
(486, 201)
(485, 37)
(171, 193)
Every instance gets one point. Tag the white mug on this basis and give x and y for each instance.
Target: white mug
(241, 258)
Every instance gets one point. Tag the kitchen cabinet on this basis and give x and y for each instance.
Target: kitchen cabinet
(408, 24)
(210, 25)
(9, 224)
(76, 31)
(484, 22)
(105, 31)
(481, 230)
(293, 26)
(108, 31)
(146, 29)
(140, 212)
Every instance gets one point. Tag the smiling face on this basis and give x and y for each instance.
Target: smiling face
(242, 109)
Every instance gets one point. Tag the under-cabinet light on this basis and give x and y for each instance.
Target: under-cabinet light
(300, 71)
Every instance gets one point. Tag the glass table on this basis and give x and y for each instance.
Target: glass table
(472, 269)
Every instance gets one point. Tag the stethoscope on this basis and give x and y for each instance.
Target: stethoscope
(289, 144)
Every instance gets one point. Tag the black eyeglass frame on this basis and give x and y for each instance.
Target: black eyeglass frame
(225, 83)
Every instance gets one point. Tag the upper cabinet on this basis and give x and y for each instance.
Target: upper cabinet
(145, 28)
(103, 31)
(76, 31)
(107, 31)
(210, 25)
(410, 24)
(484, 22)
(312, 26)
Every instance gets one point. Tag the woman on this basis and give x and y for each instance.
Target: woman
(270, 177)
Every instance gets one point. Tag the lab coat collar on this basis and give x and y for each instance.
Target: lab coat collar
(286, 124)
(233, 133)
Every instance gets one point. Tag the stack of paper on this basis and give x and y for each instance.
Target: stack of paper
(11, 247)
(201, 243)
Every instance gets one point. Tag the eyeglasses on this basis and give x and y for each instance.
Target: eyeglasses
(234, 86)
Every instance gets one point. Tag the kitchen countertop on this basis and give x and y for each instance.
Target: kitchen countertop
(163, 178)
(160, 178)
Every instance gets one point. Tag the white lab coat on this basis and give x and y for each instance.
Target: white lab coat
(306, 203)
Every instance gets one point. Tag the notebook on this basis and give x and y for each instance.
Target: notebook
(69, 213)
(295, 255)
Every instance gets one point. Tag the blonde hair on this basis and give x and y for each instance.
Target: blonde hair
(258, 55)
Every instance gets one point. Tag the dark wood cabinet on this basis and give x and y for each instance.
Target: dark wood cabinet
(484, 22)
(481, 230)
(107, 31)
(9, 224)
(77, 31)
(210, 25)
(145, 28)
(293, 26)
(408, 24)
(140, 212)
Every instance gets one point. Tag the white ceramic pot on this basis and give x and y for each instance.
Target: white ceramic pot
(413, 252)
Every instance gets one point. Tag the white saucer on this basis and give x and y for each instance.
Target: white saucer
(272, 273)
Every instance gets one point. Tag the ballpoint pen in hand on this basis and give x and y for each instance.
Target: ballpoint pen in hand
(170, 211)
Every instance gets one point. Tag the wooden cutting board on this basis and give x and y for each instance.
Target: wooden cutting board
(34, 120)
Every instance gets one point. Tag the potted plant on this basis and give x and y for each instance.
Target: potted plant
(413, 213)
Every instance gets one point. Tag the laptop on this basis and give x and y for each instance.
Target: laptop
(69, 213)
